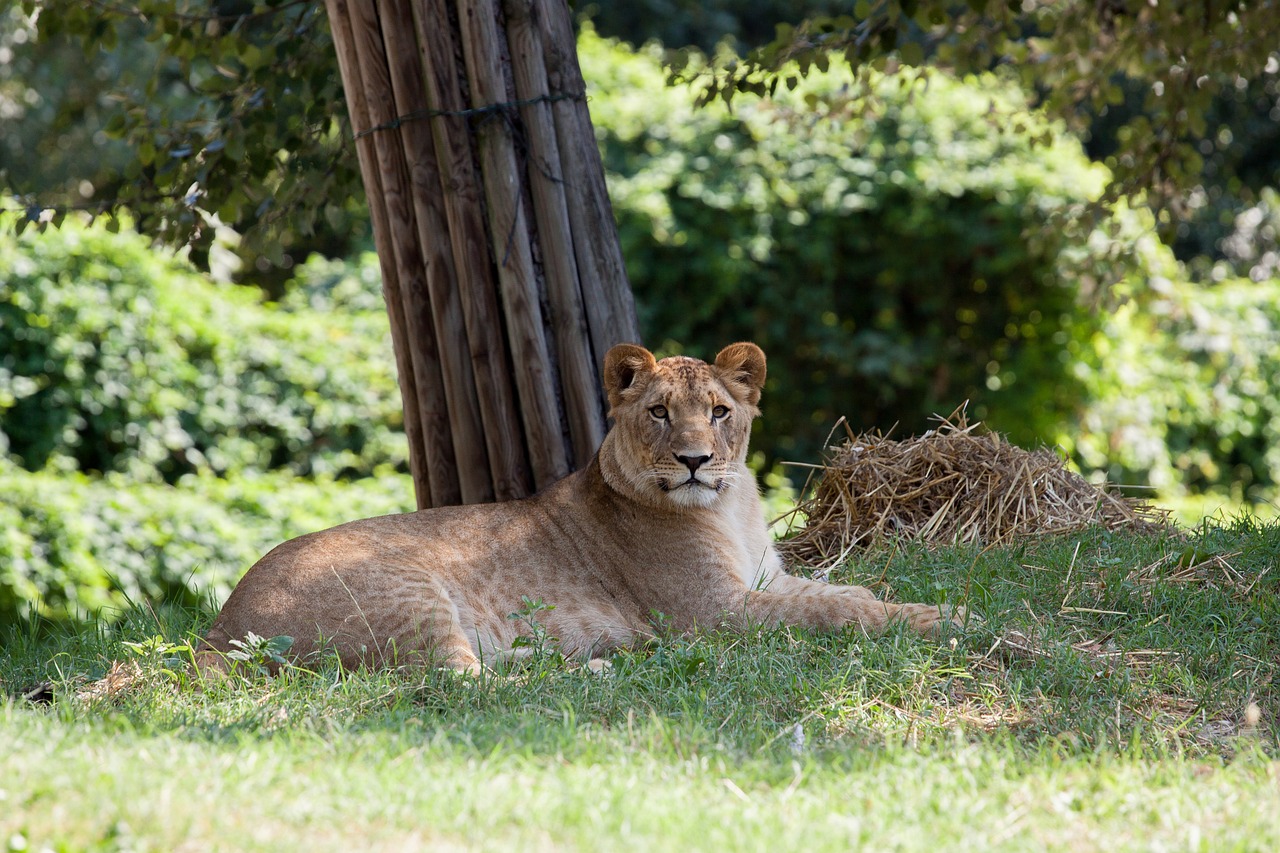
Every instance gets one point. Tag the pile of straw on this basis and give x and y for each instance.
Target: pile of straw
(950, 485)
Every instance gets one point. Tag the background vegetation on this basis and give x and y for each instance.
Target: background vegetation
(893, 266)
(162, 432)
(121, 358)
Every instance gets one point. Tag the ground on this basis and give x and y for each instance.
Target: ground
(1121, 692)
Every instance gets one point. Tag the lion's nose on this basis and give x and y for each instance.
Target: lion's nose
(693, 462)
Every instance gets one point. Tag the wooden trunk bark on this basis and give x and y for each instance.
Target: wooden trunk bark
(500, 259)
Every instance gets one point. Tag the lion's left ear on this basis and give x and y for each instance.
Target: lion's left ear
(741, 366)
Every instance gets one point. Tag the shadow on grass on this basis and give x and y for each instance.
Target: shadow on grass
(1100, 641)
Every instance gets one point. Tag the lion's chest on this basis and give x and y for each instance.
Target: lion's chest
(695, 572)
(754, 560)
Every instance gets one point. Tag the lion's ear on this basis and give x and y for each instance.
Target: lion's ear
(623, 364)
(742, 367)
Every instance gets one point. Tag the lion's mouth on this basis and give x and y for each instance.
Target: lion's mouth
(692, 483)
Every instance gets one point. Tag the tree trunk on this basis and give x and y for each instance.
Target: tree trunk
(500, 259)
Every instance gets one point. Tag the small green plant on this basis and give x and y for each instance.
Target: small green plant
(168, 658)
(538, 641)
(259, 654)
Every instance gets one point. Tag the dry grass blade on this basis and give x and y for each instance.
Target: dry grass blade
(953, 484)
(1213, 570)
(121, 677)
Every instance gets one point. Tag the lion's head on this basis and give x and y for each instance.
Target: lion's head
(681, 425)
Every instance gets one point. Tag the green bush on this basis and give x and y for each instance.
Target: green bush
(1184, 391)
(77, 546)
(892, 266)
(115, 356)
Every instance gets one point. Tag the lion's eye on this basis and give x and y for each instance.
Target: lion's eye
(719, 412)
(659, 412)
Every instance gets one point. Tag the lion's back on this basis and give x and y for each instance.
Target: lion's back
(361, 584)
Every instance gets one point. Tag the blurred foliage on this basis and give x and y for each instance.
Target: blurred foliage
(1076, 57)
(703, 24)
(55, 106)
(159, 432)
(72, 546)
(188, 115)
(118, 357)
(891, 268)
(1241, 152)
(1183, 393)
(1252, 248)
(193, 113)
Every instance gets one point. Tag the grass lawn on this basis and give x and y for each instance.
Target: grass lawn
(1122, 693)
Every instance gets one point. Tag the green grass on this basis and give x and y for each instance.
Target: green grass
(1100, 705)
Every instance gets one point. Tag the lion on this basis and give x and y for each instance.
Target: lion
(663, 530)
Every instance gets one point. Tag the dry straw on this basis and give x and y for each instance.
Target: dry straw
(952, 484)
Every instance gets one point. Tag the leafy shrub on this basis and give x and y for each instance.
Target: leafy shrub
(1184, 393)
(73, 545)
(892, 265)
(1253, 247)
(118, 357)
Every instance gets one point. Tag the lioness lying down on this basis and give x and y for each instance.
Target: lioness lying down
(665, 523)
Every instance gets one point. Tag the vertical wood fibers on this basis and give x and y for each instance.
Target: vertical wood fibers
(349, 67)
(500, 259)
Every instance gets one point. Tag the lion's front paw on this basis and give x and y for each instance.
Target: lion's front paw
(599, 666)
(934, 618)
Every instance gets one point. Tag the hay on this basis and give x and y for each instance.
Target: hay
(1192, 567)
(121, 677)
(950, 485)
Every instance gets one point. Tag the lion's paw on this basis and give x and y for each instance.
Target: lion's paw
(935, 618)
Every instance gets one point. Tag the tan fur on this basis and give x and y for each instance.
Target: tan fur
(639, 535)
